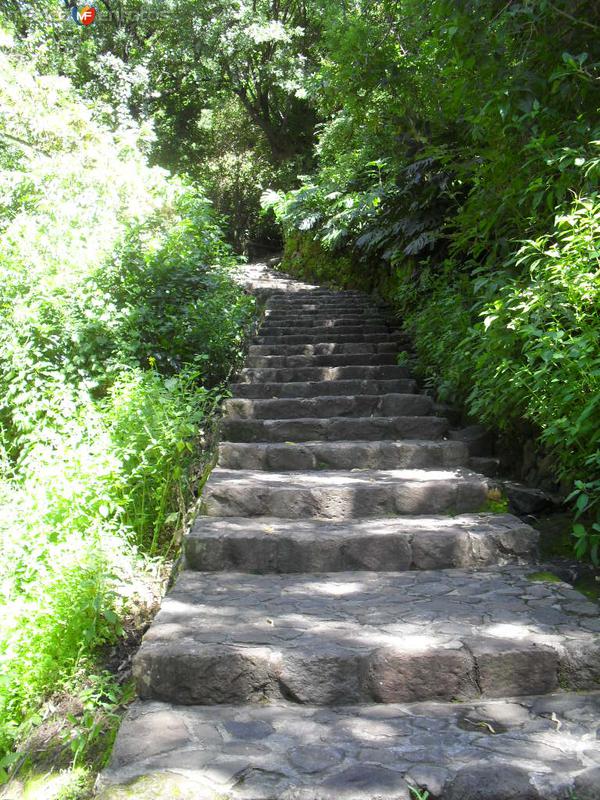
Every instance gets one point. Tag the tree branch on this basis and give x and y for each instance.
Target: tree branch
(22, 143)
(574, 19)
(111, 13)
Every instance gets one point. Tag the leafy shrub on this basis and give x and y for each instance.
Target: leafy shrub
(119, 321)
(154, 427)
(535, 347)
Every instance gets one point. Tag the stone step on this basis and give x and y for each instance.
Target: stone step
(531, 748)
(335, 338)
(325, 318)
(329, 429)
(314, 321)
(268, 544)
(324, 303)
(323, 333)
(332, 307)
(324, 291)
(343, 455)
(321, 388)
(302, 374)
(322, 296)
(335, 360)
(268, 291)
(362, 405)
(308, 311)
(367, 637)
(342, 494)
(321, 349)
(308, 297)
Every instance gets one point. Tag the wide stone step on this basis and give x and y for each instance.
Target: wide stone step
(333, 429)
(362, 405)
(268, 291)
(335, 360)
(327, 321)
(308, 311)
(531, 748)
(273, 330)
(321, 349)
(343, 455)
(342, 494)
(321, 388)
(308, 297)
(336, 338)
(324, 297)
(318, 296)
(270, 544)
(383, 637)
(323, 291)
(324, 332)
(320, 304)
(331, 309)
(325, 318)
(302, 374)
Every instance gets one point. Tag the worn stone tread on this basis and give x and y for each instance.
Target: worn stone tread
(320, 349)
(329, 311)
(279, 456)
(338, 338)
(322, 300)
(547, 747)
(366, 301)
(359, 327)
(300, 374)
(324, 319)
(342, 494)
(272, 544)
(333, 429)
(323, 388)
(311, 311)
(363, 405)
(325, 360)
(334, 360)
(350, 637)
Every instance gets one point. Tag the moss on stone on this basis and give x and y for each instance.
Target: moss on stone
(589, 586)
(306, 259)
(158, 786)
(548, 577)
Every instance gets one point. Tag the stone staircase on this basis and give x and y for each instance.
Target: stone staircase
(351, 622)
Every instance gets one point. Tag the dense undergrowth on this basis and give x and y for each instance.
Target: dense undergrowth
(459, 167)
(119, 324)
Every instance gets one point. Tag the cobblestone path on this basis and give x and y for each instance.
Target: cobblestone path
(351, 623)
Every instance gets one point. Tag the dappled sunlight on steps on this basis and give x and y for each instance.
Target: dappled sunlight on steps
(352, 621)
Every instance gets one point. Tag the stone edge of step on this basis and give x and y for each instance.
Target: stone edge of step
(266, 545)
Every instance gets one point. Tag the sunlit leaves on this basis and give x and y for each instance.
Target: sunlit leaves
(118, 321)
